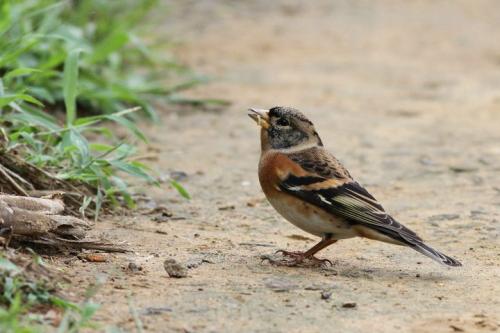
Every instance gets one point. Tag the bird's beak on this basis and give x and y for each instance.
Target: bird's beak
(260, 116)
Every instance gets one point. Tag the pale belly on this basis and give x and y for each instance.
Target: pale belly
(311, 219)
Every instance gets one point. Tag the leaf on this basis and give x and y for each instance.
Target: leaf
(72, 138)
(101, 147)
(34, 116)
(182, 191)
(111, 43)
(129, 125)
(9, 98)
(20, 72)
(122, 187)
(42, 93)
(70, 81)
(132, 169)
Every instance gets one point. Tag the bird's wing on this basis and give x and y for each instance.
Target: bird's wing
(327, 184)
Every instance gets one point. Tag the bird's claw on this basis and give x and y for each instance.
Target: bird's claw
(289, 253)
(279, 262)
(296, 258)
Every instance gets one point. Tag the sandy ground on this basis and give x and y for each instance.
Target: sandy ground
(406, 94)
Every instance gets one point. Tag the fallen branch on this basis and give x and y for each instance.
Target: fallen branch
(47, 205)
(37, 221)
(20, 177)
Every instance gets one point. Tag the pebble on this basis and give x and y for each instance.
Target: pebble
(349, 305)
(133, 267)
(174, 269)
(326, 294)
(228, 207)
(178, 175)
(462, 168)
(160, 218)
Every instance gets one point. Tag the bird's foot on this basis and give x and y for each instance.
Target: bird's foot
(293, 258)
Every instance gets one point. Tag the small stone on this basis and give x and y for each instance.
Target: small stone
(178, 175)
(227, 207)
(349, 305)
(161, 209)
(161, 212)
(462, 168)
(174, 269)
(326, 294)
(133, 267)
(160, 218)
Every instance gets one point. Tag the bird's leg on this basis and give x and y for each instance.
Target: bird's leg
(299, 257)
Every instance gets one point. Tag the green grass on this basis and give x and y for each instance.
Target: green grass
(26, 295)
(68, 69)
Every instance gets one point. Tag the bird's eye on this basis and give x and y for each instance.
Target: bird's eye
(282, 122)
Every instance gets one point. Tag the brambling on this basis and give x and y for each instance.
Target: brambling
(310, 188)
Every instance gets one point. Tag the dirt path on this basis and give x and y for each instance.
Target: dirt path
(407, 96)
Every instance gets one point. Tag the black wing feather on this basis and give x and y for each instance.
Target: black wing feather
(355, 204)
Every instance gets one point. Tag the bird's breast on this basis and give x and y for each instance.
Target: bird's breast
(312, 219)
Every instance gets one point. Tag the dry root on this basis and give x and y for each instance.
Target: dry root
(36, 221)
(25, 179)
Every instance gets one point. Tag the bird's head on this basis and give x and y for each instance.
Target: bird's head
(285, 128)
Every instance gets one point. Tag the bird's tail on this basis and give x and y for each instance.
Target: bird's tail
(434, 254)
(406, 238)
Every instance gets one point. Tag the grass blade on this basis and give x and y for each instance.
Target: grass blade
(8, 98)
(182, 191)
(70, 81)
(113, 42)
(20, 72)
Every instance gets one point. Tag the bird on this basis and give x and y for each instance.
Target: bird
(311, 189)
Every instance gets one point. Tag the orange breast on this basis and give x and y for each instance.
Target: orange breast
(273, 168)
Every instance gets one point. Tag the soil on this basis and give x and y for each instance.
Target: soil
(405, 94)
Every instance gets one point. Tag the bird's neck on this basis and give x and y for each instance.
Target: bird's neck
(265, 144)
